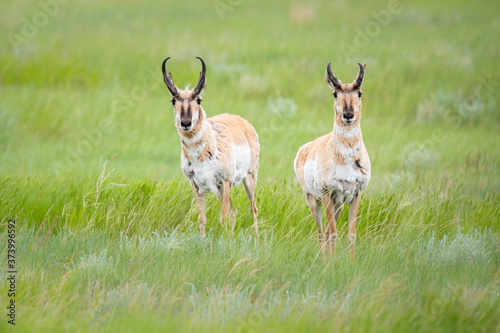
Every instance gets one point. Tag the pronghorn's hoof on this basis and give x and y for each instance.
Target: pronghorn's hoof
(331, 248)
(351, 246)
(256, 229)
(323, 251)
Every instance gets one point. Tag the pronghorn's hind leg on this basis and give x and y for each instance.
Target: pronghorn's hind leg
(200, 201)
(250, 182)
(226, 188)
(315, 207)
(353, 213)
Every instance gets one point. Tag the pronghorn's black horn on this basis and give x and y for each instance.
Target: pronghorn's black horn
(359, 78)
(168, 79)
(330, 78)
(201, 82)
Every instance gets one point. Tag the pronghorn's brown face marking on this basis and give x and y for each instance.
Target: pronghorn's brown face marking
(188, 112)
(347, 97)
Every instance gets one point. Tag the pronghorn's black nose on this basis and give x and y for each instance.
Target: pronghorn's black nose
(186, 124)
(348, 116)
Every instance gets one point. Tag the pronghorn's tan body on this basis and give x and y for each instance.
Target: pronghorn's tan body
(335, 165)
(217, 152)
(226, 148)
(335, 168)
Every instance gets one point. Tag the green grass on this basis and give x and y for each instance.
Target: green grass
(122, 252)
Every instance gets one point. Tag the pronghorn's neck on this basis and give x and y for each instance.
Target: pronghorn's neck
(346, 142)
(347, 134)
(200, 143)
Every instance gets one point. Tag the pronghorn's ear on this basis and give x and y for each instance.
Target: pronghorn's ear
(330, 79)
(202, 82)
(358, 81)
(167, 78)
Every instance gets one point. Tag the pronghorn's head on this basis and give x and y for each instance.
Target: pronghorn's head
(186, 102)
(347, 97)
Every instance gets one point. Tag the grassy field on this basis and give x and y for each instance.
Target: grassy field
(106, 225)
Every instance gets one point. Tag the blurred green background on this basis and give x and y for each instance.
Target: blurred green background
(87, 84)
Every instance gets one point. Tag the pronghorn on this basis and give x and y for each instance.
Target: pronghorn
(217, 152)
(335, 168)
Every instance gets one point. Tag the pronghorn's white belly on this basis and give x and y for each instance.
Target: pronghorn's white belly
(343, 182)
(209, 175)
(242, 162)
(347, 183)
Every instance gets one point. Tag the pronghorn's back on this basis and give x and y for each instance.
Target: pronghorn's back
(242, 134)
(238, 146)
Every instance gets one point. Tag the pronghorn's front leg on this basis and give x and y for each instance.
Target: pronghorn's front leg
(353, 213)
(226, 187)
(200, 201)
(333, 211)
(315, 207)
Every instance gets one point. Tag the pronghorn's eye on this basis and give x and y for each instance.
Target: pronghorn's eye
(335, 94)
(199, 101)
(173, 101)
(359, 94)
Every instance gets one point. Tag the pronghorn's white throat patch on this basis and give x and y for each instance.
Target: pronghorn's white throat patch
(348, 152)
(348, 133)
(194, 152)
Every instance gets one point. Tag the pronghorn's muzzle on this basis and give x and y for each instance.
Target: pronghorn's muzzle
(348, 117)
(186, 125)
